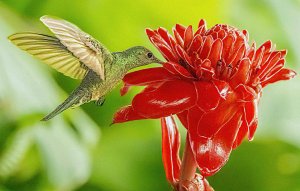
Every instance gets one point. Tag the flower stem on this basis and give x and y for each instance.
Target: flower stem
(188, 165)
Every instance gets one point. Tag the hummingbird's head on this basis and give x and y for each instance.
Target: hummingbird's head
(142, 55)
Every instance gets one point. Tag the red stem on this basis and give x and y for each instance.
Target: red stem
(188, 165)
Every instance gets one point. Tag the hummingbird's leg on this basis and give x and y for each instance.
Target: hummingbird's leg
(100, 101)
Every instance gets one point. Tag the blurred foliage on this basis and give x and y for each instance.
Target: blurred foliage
(67, 153)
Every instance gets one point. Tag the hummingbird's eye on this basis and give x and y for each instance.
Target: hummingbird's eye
(149, 55)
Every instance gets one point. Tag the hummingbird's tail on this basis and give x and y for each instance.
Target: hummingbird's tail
(75, 99)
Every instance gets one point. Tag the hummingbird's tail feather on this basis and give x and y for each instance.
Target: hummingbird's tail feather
(72, 100)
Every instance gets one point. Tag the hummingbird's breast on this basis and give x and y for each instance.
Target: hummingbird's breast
(98, 87)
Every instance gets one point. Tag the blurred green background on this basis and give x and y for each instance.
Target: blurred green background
(80, 151)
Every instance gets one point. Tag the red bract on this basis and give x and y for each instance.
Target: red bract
(212, 81)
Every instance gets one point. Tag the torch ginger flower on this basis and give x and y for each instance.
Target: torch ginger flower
(212, 81)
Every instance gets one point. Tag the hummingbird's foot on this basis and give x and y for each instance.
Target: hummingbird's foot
(100, 101)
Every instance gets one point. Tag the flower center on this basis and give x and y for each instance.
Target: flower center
(222, 71)
(188, 67)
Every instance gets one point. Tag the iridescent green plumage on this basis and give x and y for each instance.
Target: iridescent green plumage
(78, 55)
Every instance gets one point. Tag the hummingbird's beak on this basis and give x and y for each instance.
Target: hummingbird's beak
(158, 61)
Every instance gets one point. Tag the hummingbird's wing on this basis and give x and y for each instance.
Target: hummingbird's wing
(51, 51)
(87, 49)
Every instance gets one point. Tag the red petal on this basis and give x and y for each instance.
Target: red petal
(180, 29)
(283, 53)
(266, 68)
(266, 46)
(184, 56)
(177, 69)
(263, 53)
(146, 77)
(268, 56)
(188, 36)
(170, 149)
(242, 74)
(202, 24)
(222, 87)
(165, 35)
(245, 93)
(243, 130)
(239, 42)
(251, 52)
(240, 54)
(252, 130)
(283, 74)
(221, 34)
(245, 32)
(250, 112)
(194, 115)
(150, 33)
(183, 118)
(125, 114)
(258, 58)
(249, 124)
(212, 153)
(208, 95)
(124, 89)
(178, 38)
(173, 43)
(195, 45)
(170, 98)
(205, 70)
(211, 122)
(227, 43)
(157, 40)
(236, 55)
(167, 53)
(215, 52)
(206, 47)
(279, 65)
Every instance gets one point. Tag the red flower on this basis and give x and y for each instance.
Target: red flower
(212, 81)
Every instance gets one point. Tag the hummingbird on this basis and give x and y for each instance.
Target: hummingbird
(78, 55)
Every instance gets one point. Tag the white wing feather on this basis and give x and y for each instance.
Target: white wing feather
(50, 50)
(88, 50)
